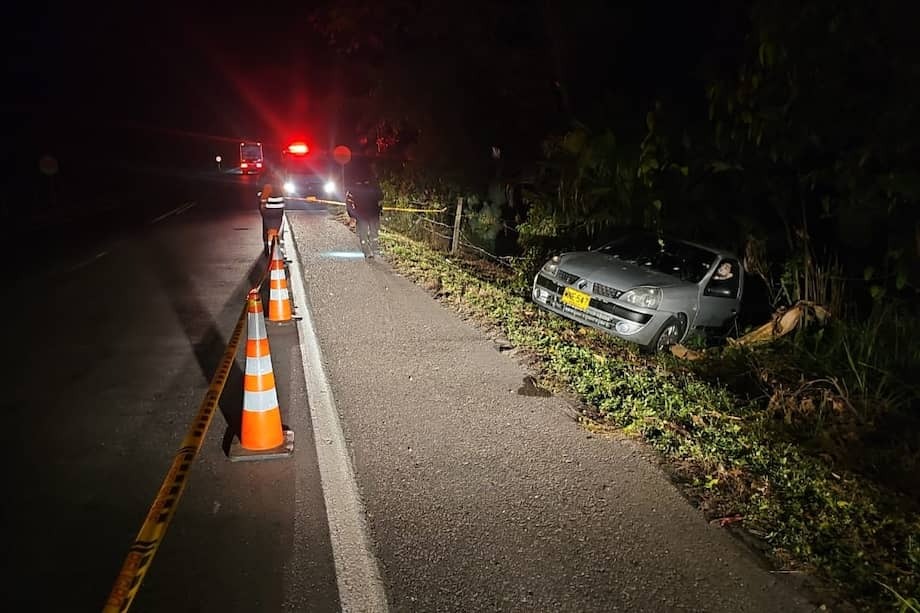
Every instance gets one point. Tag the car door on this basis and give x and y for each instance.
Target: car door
(720, 296)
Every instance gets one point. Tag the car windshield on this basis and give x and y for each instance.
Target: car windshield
(306, 166)
(675, 258)
(251, 152)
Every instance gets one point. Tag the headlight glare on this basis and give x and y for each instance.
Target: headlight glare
(289, 187)
(646, 297)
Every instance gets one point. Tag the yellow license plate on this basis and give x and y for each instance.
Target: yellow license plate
(575, 298)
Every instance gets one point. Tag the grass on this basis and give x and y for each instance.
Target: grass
(727, 449)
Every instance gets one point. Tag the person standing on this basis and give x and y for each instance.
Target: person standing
(363, 203)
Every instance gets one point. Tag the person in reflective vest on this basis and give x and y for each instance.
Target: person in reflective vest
(271, 207)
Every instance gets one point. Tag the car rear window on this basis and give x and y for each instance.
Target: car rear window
(251, 152)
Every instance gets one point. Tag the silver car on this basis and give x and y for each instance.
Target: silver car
(644, 289)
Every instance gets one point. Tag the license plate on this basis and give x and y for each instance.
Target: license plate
(575, 298)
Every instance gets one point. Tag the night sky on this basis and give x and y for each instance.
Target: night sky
(110, 80)
(94, 79)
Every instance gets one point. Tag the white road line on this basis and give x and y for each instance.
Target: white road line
(356, 569)
(163, 216)
(176, 211)
(86, 262)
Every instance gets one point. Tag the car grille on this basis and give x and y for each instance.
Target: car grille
(613, 309)
(549, 284)
(606, 291)
(566, 277)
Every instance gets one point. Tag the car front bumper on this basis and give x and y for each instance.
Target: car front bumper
(615, 317)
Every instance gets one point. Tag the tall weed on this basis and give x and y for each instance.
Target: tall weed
(876, 359)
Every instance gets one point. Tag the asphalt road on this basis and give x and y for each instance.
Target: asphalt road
(433, 476)
(115, 329)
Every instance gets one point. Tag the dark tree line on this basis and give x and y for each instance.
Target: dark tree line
(785, 129)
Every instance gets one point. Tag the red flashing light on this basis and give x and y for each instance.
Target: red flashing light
(298, 148)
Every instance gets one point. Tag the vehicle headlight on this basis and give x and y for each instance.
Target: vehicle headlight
(647, 297)
(329, 187)
(289, 187)
(551, 266)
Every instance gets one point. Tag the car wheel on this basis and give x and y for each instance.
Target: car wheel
(669, 334)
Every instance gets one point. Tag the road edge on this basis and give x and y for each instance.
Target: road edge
(357, 571)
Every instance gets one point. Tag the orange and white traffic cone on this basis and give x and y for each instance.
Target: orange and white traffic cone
(279, 298)
(262, 435)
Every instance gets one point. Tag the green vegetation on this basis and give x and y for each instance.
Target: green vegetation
(783, 130)
(738, 454)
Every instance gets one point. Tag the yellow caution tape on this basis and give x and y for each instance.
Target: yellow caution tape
(386, 208)
(145, 546)
(315, 199)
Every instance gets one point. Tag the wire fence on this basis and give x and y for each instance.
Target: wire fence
(447, 229)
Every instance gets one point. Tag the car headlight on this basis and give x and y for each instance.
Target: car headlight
(289, 187)
(329, 187)
(551, 266)
(647, 297)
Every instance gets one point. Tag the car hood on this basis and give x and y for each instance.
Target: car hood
(616, 273)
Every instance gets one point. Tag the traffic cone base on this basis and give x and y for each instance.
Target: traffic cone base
(284, 450)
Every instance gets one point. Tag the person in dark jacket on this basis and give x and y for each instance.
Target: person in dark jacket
(363, 203)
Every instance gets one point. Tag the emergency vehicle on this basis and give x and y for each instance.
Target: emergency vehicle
(251, 157)
(307, 173)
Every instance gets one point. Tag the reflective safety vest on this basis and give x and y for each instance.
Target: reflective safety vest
(268, 200)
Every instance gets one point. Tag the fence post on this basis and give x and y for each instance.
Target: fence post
(458, 218)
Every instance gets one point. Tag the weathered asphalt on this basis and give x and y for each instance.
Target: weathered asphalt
(481, 499)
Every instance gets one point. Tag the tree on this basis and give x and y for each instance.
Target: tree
(822, 119)
(451, 85)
